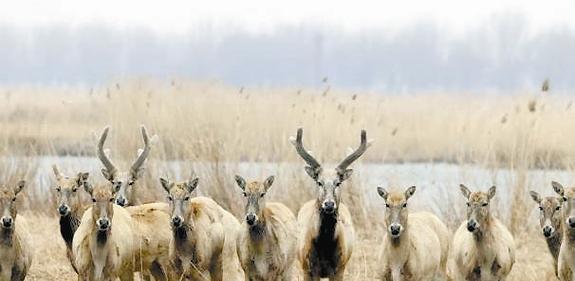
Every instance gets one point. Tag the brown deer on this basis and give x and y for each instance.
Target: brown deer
(267, 244)
(70, 206)
(483, 248)
(327, 236)
(566, 261)
(416, 245)
(126, 195)
(203, 245)
(551, 222)
(15, 249)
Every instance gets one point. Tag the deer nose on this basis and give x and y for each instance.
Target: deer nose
(571, 222)
(329, 206)
(547, 231)
(7, 222)
(472, 225)
(104, 224)
(121, 201)
(177, 221)
(395, 229)
(251, 219)
(63, 210)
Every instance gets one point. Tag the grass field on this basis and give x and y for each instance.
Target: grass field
(221, 126)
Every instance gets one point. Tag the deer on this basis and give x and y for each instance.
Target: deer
(127, 195)
(566, 260)
(551, 222)
(267, 242)
(482, 248)
(70, 206)
(327, 234)
(139, 242)
(203, 244)
(415, 245)
(16, 252)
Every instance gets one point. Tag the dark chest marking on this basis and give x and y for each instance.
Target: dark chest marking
(68, 226)
(325, 255)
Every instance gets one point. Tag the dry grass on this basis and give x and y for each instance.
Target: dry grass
(211, 129)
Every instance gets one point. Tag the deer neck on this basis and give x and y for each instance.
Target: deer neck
(480, 235)
(7, 236)
(569, 233)
(554, 243)
(258, 231)
(68, 226)
(327, 224)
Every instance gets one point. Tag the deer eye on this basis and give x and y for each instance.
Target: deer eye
(13, 199)
(564, 198)
(320, 183)
(94, 200)
(387, 205)
(131, 183)
(245, 194)
(404, 205)
(170, 198)
(187, 198)
(262, 195)
(112, 199)
(540, 208)
(557, 208)
(58, 189)
(468, 204)
(484, 204)
(74, 190)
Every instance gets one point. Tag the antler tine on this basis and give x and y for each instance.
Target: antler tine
(302, 152)
(142, 157)
(356, 154)
(102, 155)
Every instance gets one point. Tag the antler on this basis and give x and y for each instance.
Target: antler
(102, 155)
(356, 154)
(302, 152)
(142, 157)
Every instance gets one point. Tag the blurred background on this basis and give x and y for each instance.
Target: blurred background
(392, 46)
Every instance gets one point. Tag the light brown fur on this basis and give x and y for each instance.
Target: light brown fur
(487, 253)
(566, 262)
(551, 222)
(15, 250)
(267, 247)
(419, 248)
(203, 245)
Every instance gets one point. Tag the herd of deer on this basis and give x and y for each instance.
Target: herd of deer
(194, 238)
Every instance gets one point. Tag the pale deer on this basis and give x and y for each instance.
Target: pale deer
(70, 206)
(415, 245)
(15, 249)
(327, 234)
(127, 181)
(551, 222)
(267, 242)
(483, 248)
(566, 261)
(203, 245)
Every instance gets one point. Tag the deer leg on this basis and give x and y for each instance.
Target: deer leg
(337, 277)
(158, 272)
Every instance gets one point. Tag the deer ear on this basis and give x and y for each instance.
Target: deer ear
(56, 172)
(382, 192)
(345, 174)
(241, 182)
(19, 186)
(536, 197)
(558, 188)
(268, 183)
(82, 178)
(464, 190)
(491, 192)
(88, 188)
(165, 184)
(107, 174)
(192, 184)
(409, 192)
(313, 172)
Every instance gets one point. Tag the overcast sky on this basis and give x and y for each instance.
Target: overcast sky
(179, 26)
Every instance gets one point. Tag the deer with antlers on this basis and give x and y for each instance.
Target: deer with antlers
(327, 236)
(126, 195)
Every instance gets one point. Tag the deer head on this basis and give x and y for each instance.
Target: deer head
(8, 204)
(568, 205)
(396, 212)
(179, 195)
(478, 216)
(328, 182)
(124, 180)
(66, 188)
(550, 213)
(103, 197)
(254, 192)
